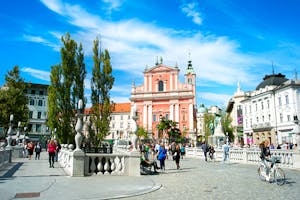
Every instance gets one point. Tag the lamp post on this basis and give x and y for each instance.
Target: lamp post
(24, 138)
(18, 133)
(78, 127)
(134, 127)
(297, 130)
(9, 132)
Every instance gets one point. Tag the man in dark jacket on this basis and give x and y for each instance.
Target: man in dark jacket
(204, 147)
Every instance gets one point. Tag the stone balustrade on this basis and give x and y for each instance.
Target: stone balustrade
(289, 158)
(5, 157)
(78, 163)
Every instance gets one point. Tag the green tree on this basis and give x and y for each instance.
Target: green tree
(79, 76)
(169, 128)
(54, 96)
(226, 124)
(13, 99)
(141, 132)
(208, 125)
(67, 87)
(101, 84)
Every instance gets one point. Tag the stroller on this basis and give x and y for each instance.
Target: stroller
(211, 152)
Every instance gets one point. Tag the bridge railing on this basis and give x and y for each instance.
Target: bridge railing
(79, 163)
(6, 155)
(289, 158)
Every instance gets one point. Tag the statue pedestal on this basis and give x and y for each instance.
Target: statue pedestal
(78, 163)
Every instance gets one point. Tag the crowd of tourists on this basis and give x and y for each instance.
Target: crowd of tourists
(154, 153)
(52, 147)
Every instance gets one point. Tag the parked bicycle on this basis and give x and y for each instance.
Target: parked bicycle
(276, 174)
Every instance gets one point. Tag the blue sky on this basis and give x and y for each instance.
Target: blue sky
(228, 41)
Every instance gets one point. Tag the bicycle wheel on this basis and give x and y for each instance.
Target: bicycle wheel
(279, 176)
(261, 173)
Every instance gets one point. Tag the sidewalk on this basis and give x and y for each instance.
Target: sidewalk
(33, 179)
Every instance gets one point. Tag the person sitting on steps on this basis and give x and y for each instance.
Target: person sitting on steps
(147, 163)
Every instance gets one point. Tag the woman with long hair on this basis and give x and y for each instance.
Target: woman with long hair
(51, 152)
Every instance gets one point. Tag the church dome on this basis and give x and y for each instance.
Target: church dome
(273, 79)
(202, 109)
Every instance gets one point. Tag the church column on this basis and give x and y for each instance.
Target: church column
(165, 85)
(156, 86)
(171, 81)
(176, 112)
(172, 112)
(191, 116)
(176, 83)
(145, 83)
(145, 116)
(150, 117)
(150, 83)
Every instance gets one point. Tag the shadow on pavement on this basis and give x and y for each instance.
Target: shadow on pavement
(11, 171)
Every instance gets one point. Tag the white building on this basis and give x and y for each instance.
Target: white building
(37, 95)
(200, 121)
(120, 122)
(234, 109)
(120, 127)
(269, 111)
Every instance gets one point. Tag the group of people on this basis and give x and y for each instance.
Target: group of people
(30, 147)
(160, 152)
(206, 148)
(52, 146)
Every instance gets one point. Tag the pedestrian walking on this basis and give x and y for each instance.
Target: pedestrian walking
(182, 151)
(162, 154)
(30, 148)
(176, 156)
(204, 147)
(51, 152)
(38, 150)
(225, 152)
(25, 150)
(58, 147)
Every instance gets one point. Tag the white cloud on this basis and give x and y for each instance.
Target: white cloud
(43, 75)
(218, 99)
(113, 4)
(40, 40)
(54, 5)
(190, 10)
(134, 44)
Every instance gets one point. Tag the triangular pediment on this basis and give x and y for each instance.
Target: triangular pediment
(160, 68)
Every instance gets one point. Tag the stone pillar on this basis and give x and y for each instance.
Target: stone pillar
(133, 165)
(78, 163)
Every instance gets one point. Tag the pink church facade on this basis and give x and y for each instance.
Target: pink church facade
(163, 95)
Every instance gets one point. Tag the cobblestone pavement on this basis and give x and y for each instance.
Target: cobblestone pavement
(208, 180)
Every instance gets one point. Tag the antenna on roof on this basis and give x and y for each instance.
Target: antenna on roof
(273, 68)
(296, 75)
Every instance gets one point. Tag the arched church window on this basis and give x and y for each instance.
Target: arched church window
(160, 86)
(190, 81)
